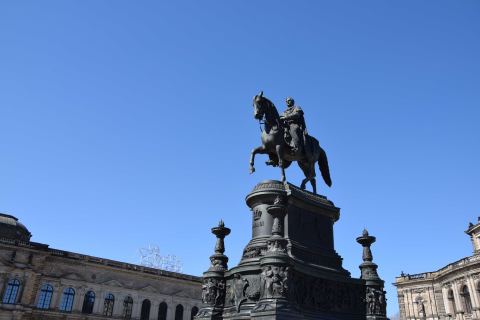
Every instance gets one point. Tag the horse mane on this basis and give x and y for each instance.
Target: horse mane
(272, 109)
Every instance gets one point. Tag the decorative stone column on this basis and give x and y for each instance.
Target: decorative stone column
(277, 244)
(274, 279)
(375, 300)
(214, 286)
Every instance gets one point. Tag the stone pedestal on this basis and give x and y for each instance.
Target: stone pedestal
(290, 269)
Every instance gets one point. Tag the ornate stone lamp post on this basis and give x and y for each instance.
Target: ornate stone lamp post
(218, 259)
(214, 286)
(375, 300)
(368, 268)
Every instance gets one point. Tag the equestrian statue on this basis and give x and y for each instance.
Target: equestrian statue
(285, 139)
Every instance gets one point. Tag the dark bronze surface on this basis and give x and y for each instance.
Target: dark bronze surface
(290, 269)
(285, 139)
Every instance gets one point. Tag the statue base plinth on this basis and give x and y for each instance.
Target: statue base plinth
(293, 272)
(279, 309)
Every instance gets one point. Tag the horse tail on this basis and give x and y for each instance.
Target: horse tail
(323, 165)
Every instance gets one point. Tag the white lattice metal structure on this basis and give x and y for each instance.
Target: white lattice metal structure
(151, 257)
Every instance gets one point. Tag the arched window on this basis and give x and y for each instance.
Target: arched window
(127, 307)
(108, 305)
(467, 302)
(45, 297)
(179, 312)
(88, 302)
(10, 295)
(193, 313)
(451, 301)
(67, 300)
(145, 312)
(162, 311)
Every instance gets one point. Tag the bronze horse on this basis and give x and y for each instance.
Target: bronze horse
(280, 153)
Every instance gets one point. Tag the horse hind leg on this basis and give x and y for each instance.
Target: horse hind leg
(306, 173)
(313, 182)
(304, 184)
(309, 171)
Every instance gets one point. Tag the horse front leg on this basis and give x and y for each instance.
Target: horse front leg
(260, 149)
(279, 149)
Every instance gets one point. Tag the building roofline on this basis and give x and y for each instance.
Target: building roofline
(472, 228)
(464, 262)
(99, 261)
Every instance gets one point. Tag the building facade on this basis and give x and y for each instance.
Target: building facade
(453, 292)
(38, 282)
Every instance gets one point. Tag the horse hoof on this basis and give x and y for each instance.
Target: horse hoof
(252, 170)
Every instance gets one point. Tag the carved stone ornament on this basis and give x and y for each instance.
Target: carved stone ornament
(213, 291)
(376, 301)
(276, 245)
(419, 290)
(325, 295)
(240, 286)
(254, 252)
(274, 282)
(218, 259)
(265, 186)
(257, 214)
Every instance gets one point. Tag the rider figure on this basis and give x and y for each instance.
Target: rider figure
(296, 129)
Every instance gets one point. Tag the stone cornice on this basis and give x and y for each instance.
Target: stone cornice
(450, 269)
(72, 256)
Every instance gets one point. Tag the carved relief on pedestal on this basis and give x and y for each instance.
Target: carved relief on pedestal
(325, 295)
(213, 291)
(274, 282)
(276, 245)
(376, 302)
(241, 289)
(254, 252)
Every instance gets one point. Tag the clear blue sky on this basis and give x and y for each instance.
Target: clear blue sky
(125, 123)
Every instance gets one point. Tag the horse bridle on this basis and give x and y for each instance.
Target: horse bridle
(260, 122)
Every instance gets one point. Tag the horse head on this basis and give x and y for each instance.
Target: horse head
(260, 105)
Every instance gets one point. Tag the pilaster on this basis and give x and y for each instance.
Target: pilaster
(78, 299)
(446, 302)
(458, 299)
(99, 300)
(136, 308)
(154, 309)
(118, 305)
